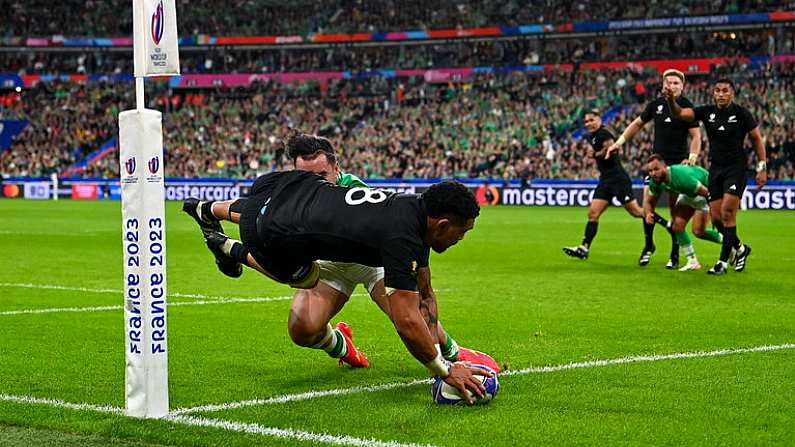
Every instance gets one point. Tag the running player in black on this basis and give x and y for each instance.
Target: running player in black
(670, 141)
(727, 125)
(613, 182)
(291, 219)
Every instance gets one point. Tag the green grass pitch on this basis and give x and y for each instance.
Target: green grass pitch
(507, 289)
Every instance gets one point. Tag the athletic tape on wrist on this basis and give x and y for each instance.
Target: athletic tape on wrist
(439, 366)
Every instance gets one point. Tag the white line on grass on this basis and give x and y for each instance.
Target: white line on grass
(60, 403)
(240, 427)
(538, 369)
(286, 433)
(116, 291)
(170, 304)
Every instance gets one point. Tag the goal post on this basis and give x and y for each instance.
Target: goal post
(141, 170)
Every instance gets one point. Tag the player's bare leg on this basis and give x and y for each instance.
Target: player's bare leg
(308, 324)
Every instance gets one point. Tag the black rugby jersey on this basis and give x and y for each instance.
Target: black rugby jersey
(726, 130)
(612, 166)
(670, 134)
(360, 225)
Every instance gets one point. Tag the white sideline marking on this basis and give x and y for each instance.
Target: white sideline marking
(176, 303)
(118, 291)
(283, 433)
(61, 404)
(286, 433)
(537, 369)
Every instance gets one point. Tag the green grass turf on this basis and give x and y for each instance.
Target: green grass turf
(506, 289)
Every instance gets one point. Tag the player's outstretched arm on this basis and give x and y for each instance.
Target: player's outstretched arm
(413, 330)
(695, 146)
(703, 191)
(428, 305)
(761, 156)
(629, 133)
(686, 114)
(649, 205)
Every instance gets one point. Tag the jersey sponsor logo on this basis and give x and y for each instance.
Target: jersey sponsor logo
(668, 120)
(733, 188)
(721, 128)
(732, 119)
(358, 196)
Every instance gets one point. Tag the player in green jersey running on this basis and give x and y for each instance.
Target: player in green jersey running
(687, 184)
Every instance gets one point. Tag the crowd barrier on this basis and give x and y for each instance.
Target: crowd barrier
(777, 195)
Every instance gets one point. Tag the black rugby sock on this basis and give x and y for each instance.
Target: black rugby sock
(648, 231)
(729, 238)
(590, 233)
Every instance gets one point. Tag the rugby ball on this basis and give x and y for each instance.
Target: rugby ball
(448, 395)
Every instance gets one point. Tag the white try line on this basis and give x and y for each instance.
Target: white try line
(169, 304)
(240, 427)
(537, 369)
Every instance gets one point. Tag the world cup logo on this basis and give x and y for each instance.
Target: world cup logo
(154, 164)
(158, 23)
(130, 165)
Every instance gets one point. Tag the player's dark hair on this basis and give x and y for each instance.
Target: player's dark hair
(592, 112)
(655, 157)
(726, 81)
(306, 146)
(451, 199)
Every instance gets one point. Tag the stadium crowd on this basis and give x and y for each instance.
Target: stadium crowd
(458, 54)
(270, 17)
(493, 126)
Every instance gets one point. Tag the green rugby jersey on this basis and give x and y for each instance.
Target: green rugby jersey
(350, 180)
(684, 179)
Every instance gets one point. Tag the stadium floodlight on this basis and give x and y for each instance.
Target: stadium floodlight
(143, 214)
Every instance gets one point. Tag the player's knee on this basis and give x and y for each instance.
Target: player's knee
(304, 330)
(593, 215)
(700, 232)
(727, 216)
(678, 225)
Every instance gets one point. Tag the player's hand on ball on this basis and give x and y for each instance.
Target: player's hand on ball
(461, 378)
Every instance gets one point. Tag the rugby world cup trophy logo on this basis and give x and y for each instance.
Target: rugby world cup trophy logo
(158, 23)
(154, 165)
(130, 165)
